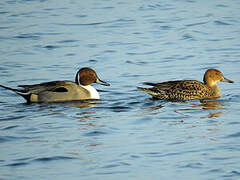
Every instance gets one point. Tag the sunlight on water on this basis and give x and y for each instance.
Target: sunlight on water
(125, 134)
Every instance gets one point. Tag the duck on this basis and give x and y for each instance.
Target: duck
(60, 91)
(188, 89)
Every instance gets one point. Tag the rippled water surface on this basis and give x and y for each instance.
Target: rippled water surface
(125, 135)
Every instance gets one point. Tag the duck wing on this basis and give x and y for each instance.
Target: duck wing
(54, 86)
(182, 89)
(164, 85)
(188, 85)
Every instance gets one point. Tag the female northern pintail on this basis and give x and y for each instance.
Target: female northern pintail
(59, 91)
(188, 89)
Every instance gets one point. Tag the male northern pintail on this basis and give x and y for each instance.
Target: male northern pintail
(59, 91)
(188, 89)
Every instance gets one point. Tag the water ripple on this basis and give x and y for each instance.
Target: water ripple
(234, 135)
(127, 42)
(221, 23)
(17, 164)
(13, 138)
(95, 133)
(53, 158)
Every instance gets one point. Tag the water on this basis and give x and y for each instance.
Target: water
(125, 134)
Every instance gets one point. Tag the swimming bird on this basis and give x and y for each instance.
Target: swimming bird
(60, 91)
(188, 89)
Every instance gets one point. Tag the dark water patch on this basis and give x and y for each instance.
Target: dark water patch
(48, 34)
(23, 159)
(234, 123)
(134, 103)
(164, 28)
(110, 166)
(193, 165)
(124, 20)
(17, 164)
(118, 43)
(120, 23)
(11, 117)
(6, 27)
(51, 47)
(232, 174)
(142, 53)
(221, 23)
(68, 41)
(188, 37)
(4, 12)
(163, 7)
(108, 7)
(234, 135)
(84, 24)
(219, 158)
(176, 143)
(92, 60)
(158, 21)
(28, 36)
(214, 171)
(12, 138)
(221, 5)
(109, 51)
(214, 40)
(95, 133)
(144, 120)
(119, 108)
(196, 24)
(70, 54)
(92, 45)
(33, 1)
(158, 154)
(54, 158)
(9, 127)
(136, 63)
(81, 16)
(185, 57)
(112, 172)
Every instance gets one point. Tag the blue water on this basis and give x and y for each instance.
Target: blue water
(125, 135)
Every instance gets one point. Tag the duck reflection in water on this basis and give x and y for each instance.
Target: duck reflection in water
(214, 107)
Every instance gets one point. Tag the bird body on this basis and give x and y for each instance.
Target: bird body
(188, 89)
(59, 91)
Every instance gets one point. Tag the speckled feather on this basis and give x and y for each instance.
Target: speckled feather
(188, 89)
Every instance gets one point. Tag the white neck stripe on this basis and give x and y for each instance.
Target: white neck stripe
(93, 92)
(78, 79)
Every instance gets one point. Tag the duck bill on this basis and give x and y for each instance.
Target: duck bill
(227, 80)
(98, 81)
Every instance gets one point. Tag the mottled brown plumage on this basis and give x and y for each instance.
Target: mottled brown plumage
(188, 89)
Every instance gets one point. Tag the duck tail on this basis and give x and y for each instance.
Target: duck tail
(149, 84)
(24, 94)
(149, 91)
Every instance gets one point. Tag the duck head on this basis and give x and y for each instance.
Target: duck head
(86, 76)
(212, 76)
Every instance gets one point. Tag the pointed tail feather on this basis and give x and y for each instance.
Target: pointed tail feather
(149, 84)
(148, 90)
(25, 95)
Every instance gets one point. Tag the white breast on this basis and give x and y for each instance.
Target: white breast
(93, 92)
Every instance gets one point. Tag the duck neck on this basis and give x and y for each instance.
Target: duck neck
(93, 92)
(216, 90)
